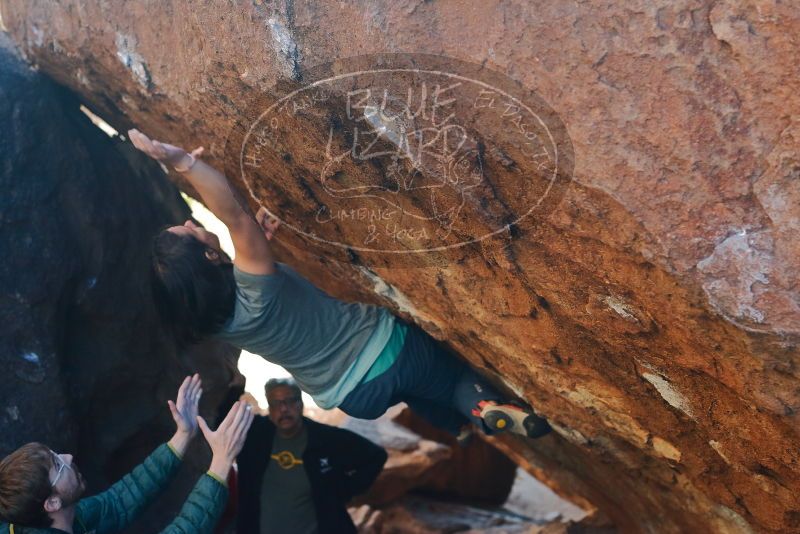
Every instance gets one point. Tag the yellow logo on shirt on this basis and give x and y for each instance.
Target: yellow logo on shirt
(286, 459)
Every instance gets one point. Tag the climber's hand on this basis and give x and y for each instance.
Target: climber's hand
(268, 223)
(168, 154)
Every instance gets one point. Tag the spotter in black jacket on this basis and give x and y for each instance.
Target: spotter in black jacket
(339, 464)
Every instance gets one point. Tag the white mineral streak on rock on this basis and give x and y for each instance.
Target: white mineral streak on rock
(38, 35)
(285, 48)
(82, 78)
(718, 448)
(570, 434)
(388, 291)
(668, 392)
(133, 61)
(729, 522)
(621, 308)
(13, 412)
(666, 449)
(31, 357)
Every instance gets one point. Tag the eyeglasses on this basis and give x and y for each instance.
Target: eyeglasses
(280, 403)
(61, 466)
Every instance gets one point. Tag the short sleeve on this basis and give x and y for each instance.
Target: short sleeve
(255, 297)
(258, 289)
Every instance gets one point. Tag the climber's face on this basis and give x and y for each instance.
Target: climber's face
(209, 239)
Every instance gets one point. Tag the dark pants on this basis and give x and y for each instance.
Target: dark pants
(432, 381)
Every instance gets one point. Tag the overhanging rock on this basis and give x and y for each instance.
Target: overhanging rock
(652, 314)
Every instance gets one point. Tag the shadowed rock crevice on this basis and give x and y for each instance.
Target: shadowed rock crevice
(88, 368)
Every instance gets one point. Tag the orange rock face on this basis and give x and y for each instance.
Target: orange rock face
(649, 308)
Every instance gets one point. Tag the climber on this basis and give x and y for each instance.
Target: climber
(357, 357)
(40, 490)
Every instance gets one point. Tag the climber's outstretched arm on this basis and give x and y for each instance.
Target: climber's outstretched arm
(250, 236)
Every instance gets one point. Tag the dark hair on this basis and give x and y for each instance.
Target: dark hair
(273, 383)
(194, 296)
(25, 485)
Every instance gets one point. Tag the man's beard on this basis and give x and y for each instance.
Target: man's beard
(72, 497)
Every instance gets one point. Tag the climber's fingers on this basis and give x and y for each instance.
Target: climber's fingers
(143, 143)
(269, 223)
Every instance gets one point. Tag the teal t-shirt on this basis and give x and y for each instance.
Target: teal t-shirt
(326, 344)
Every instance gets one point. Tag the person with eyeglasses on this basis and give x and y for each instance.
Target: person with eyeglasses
(41, 491)
(296, 475)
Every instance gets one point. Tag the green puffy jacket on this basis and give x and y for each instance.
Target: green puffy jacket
(117, 507)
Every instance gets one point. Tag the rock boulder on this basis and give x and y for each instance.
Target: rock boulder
(651, 311)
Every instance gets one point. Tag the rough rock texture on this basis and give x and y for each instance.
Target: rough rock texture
(652, 315)
(425, 460)
(475, 472)
(86, 367)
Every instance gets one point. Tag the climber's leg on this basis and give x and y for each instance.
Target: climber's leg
(439, 415)
(426, 371)
(430, 371)
(370, 400)
(418, 377)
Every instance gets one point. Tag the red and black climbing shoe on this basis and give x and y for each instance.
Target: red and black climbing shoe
(512, 418)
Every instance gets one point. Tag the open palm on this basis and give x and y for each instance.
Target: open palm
(184, 408)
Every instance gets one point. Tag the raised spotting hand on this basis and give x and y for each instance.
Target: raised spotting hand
(184, 412)
(226, 442)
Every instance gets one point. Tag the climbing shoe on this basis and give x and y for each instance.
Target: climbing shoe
(512, 418)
